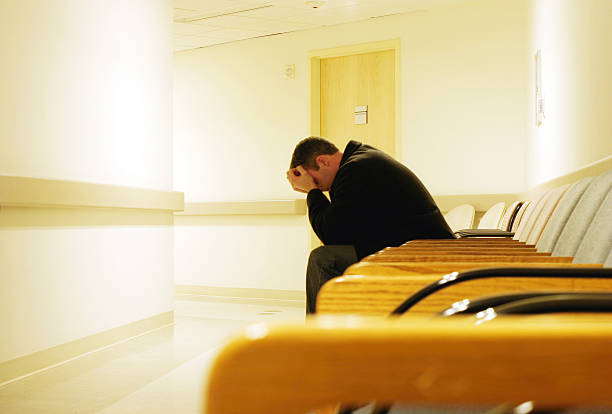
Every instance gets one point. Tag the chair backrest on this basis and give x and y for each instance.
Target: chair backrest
(504, 223)
(460, 217)
(530, 215)
(492, 217)
(559, 218)
(579, 221)
(597, 241)
(548, 208)
(519, 215)
(608, 262)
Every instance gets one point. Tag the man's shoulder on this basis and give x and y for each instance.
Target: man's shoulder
(366, 155)
(363, 165)
(368, 162)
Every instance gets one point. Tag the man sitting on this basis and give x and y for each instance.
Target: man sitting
(376, 202)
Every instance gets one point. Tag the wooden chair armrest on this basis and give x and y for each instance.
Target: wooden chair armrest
(555, 361)
(380, 295)
(424, 268)
(400, 251)
(486, 240)
(467, 258)
(462, 246)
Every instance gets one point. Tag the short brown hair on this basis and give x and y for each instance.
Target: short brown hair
(308, 149)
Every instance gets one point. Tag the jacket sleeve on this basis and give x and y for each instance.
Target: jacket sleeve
(337, 222)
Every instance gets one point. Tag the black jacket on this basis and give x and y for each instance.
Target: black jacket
(375, 202)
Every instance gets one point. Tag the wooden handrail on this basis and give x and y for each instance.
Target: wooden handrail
(38, 192)
(246, 208)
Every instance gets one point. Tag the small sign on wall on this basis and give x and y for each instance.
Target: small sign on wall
(361, 115)
(289, 72)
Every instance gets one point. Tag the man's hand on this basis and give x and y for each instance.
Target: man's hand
(300, 180)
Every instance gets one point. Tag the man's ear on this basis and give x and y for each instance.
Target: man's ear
(323, 160)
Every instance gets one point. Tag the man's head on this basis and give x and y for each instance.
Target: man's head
(320, 158)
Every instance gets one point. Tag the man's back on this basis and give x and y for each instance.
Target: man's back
(375, 202)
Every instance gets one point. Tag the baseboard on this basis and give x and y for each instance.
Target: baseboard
(27, 364)
(241, 295)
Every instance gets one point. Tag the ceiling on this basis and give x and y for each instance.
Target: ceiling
(201, 23)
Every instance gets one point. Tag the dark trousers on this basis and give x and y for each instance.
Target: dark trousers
(324, 263)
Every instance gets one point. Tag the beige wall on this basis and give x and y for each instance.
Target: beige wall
(85, 91)
(85, 94)
(575, 39)
(464, 88)
(64, 277)
(260, 252)
(237, 120)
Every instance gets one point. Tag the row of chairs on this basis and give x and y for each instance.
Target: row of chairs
(563, 243)
(569, 226)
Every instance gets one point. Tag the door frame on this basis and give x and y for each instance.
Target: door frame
(315, 57)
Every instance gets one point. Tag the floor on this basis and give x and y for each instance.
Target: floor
(162, 371)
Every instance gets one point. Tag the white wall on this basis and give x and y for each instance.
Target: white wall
(464, 89)
(575, 39)
(85, 91)
(68, 273)
(85, 94)
(259, 252)
(236, 122)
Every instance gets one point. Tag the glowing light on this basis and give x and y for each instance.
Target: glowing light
(257, 331)
(524, 408)
(448, 278)
(457, 307)
(485, 316)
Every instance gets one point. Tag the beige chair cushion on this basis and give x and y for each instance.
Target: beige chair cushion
(530, 216)
(460, 217)
(548, 208)
(492, 217)
(504, 224)
(519, 216)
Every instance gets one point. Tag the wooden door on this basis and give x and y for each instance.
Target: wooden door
(359, 80)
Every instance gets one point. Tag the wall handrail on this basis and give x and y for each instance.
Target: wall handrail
(242, 208)
(16, 191)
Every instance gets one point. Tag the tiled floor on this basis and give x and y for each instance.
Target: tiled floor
(160, 372)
